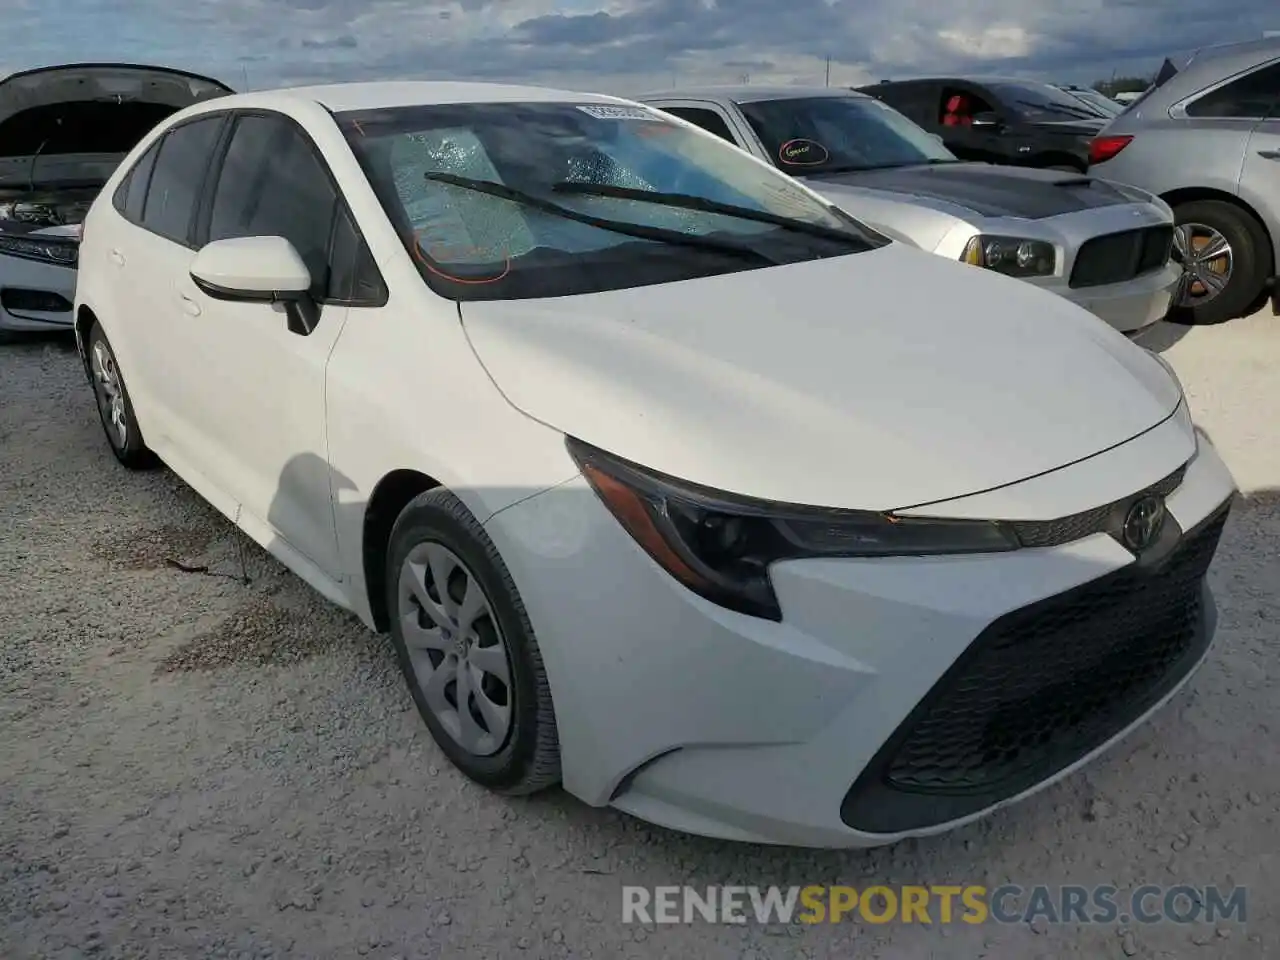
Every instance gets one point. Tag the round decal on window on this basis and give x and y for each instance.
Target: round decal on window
(803, 153)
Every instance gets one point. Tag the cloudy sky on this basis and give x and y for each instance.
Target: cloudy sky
(619, 45)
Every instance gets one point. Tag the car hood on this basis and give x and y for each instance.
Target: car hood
(988, 190)
(881, 380)
(33, 102)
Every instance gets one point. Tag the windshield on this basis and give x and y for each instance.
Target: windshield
(817, 135)
(494, 200)
(1039, 101)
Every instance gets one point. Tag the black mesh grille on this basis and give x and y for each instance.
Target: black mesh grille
(1040, 688)
(1077, 526)
(1118, 257)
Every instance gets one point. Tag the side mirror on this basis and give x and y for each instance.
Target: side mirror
(258, 270)
(938, 137)
(987, 120)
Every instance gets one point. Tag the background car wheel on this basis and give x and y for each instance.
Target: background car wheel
(1223, 252)
(467, 649)
(114, 406)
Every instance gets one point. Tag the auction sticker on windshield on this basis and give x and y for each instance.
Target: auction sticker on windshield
(606, 112)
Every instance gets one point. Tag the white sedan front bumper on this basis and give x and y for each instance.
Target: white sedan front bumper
(862, 717)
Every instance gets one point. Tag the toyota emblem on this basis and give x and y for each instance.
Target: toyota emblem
(1142, 524)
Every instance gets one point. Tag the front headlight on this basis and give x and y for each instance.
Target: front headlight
(63, 253)
(1014, 256)
(721, 545)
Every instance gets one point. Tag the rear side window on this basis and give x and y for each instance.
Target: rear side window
(132, 192)
(1252, 97)
(708, 120)
(917, 101)
(178, 177)
(272, 183)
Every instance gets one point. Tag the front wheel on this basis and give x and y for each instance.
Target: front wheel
(115, 409)
(1223, 254)
(467, 649)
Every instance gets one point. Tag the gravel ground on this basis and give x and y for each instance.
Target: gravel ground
(206, 760)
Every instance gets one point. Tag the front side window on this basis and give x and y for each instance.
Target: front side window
(272, 184)
(1252, 97)
(518, 200)
(1039, 102)
(820, 135)
(178, 177)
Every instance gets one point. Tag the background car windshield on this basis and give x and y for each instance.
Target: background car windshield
(469, 245)
(815, 135)
(1039, 101)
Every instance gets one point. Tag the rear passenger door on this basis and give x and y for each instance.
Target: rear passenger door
(1260, 172)
(260, 387)
(149, 256)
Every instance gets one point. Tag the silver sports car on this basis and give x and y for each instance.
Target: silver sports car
(1102, 245)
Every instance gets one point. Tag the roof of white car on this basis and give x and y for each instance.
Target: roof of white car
(746, 93)
(340, 97)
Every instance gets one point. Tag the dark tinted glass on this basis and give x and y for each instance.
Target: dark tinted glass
(272, 183)
(132, 192)
(353, 276)
(1251, 97)
(708, 120)
(178, 177)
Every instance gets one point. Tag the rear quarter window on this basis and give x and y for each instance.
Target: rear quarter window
(132, 191)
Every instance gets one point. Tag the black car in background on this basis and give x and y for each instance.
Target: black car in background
(1021, 122)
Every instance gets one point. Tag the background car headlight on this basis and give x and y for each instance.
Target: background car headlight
(1014, 256)
(721, 545)
(64, 253)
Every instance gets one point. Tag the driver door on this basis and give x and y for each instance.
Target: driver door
(262, 383)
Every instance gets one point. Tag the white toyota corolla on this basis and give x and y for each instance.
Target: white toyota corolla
(670, 481)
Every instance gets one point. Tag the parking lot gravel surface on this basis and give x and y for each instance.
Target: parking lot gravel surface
(201, 758)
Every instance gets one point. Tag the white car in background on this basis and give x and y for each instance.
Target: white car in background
(1104, 246)
(63, 130)
(670, 480)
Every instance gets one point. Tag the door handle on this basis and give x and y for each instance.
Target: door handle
(189, 306)
(1269, 154)
(116, 257)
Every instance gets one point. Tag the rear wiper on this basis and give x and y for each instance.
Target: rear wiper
(637, 230)
(687, 201)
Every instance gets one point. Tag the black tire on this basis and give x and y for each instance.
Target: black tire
(1251, 261)
(529, 759)
(131, 449)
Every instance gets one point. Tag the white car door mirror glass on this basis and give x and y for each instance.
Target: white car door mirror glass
(266, 269)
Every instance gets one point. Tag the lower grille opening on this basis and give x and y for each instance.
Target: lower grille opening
(1117, 257)
(1040, 688)
(17, 300)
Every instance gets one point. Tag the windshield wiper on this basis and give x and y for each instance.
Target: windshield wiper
(687, 201)
(637, 230)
